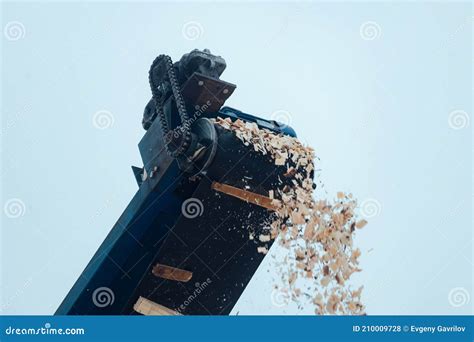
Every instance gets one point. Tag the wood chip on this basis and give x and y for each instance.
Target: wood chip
(325, 228)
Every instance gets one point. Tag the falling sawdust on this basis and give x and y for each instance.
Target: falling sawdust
(318, 234)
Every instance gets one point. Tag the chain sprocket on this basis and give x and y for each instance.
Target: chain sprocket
(178, 139)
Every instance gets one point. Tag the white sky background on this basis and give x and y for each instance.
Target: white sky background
(376, 111)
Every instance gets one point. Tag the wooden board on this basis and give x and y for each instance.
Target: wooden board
(247, 196)
(148, 308)
(171, 273)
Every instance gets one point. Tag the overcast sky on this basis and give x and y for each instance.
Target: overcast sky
(381, 91)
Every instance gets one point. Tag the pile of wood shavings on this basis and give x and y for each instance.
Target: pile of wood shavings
(317, 234)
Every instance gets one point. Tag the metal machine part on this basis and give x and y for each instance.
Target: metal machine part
(182, 231)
